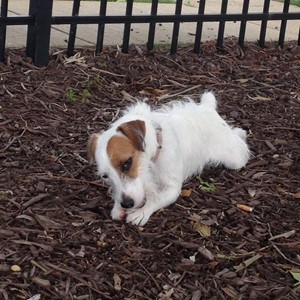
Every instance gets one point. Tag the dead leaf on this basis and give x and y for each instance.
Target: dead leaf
(281, 190)
(197, 295)
(15, 268)
(159, 91)
(186, 193)
(167, 294)
(260, 98)
(204, 230)
(258, 175)
(81, 252)
(47, 223)
(35, 297)
(117, 282)
(297, 195)
(193, 258)
(206, 253)
(280, 142)
(251, 192)
(242, 80)
(230, 291)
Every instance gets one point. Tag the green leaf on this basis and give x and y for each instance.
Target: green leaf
(206, 186)
(296, 274)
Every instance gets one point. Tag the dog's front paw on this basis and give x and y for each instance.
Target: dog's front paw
(139, 216)
(118, 213)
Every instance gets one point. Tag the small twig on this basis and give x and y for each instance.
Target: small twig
(283, 255)
(151, 276)
(128, 97)
(72, 274)
(285, 235)
(247, 263)
(269, 86)
(282, 128)
(238, 256)
(79, 181)
(39, 266)
(176, 83)
(167, 96)
(107, 72)
(277, 249)
(28, 243)
(80, 158)
(34, 200)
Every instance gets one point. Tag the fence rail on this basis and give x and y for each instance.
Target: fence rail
(40, 18)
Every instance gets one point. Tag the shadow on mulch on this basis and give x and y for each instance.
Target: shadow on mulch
(57, 238)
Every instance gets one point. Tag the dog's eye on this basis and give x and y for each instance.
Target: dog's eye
(126, 165)
(104, 176)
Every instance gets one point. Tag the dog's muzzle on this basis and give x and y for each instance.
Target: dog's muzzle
(127, 202)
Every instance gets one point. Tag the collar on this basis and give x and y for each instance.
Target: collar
(159, 143)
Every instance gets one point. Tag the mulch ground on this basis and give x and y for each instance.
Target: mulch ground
(57, 240)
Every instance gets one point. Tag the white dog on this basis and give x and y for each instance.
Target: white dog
(146, 155)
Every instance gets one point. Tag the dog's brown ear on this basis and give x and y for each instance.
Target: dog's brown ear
(91, 148)
(135, 131)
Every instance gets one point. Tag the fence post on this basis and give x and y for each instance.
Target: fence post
(73, 29)
(4, 7)
(38, 35)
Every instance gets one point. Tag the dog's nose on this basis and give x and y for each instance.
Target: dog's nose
(127, 202)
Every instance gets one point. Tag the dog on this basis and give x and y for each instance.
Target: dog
(146, 155)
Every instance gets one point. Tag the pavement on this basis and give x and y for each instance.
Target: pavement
(86, 34)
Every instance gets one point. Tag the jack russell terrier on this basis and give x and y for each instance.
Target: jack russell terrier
(147, 154)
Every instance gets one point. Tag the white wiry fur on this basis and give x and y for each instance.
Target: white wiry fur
(193, 135)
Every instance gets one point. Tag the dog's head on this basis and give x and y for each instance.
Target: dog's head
(120, 154)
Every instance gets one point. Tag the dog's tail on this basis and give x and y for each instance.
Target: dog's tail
(209, 99)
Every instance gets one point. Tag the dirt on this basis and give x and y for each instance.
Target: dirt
(57, 238)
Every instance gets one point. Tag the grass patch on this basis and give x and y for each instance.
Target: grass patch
(295, 2)
(292, 2)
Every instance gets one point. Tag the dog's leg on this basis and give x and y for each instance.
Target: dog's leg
(118, 213)
(140, 216)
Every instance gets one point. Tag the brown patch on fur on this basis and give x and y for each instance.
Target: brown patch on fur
(119, 150)
(91, 148)
(135, 131)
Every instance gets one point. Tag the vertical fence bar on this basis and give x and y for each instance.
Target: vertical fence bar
(220, 37)
(101, 27)
(73, 29)
(199, 27)
(38, 36)
(4, 8)
(43, 24)
(263, 26)
(175, 34)
(243, 23)
(152, 25)
(286, 6)
(127, 27)
(31, 30)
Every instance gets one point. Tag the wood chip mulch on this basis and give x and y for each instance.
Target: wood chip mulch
(57, 240)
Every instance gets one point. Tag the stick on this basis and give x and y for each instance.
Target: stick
(79, 181)
(179, 93)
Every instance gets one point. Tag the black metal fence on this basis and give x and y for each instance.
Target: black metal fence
(40, 18)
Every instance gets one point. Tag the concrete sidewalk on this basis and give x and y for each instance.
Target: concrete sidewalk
(86, 34)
